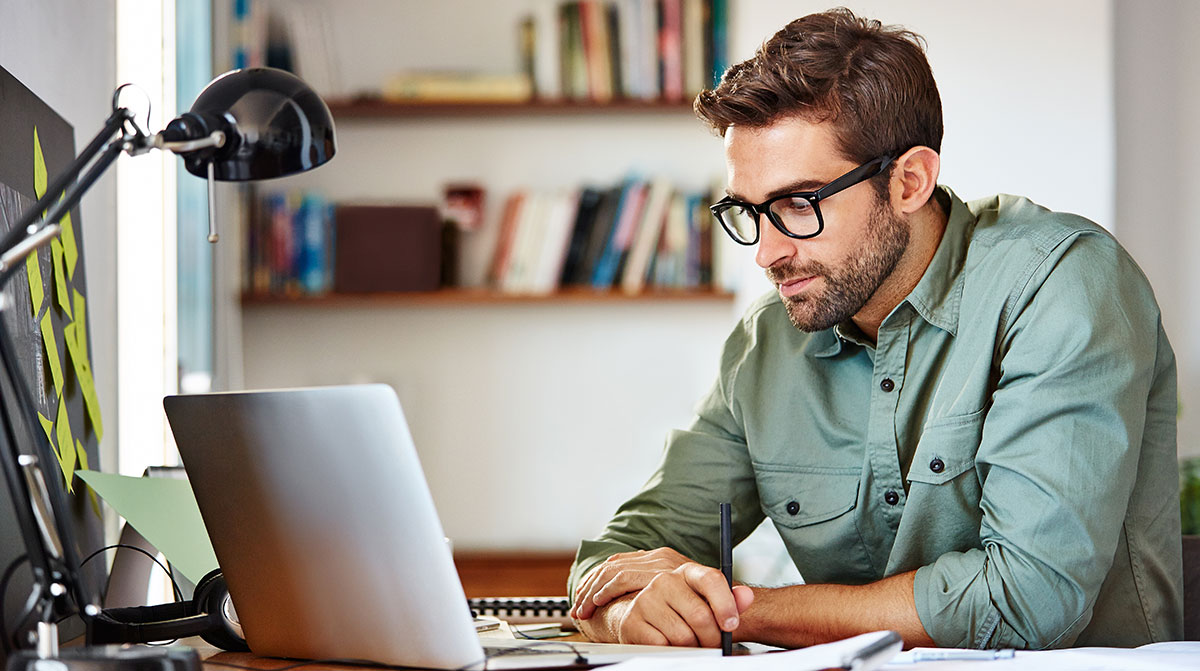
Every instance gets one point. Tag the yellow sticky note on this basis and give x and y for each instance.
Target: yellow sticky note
(39, 166)
(70, 249)
(48, 427)
(66, 444)
(74, 335)
(81, 453)
(51, 344)
(60, 277)
(36, 293)
(81, 321)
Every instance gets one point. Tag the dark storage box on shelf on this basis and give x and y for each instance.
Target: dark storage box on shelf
(384, 248)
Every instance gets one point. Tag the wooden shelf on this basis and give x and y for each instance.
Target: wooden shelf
(376, 108)
(481, 297)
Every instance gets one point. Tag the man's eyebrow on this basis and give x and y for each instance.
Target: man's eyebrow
(797, 186)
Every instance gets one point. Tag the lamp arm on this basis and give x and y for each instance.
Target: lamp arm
(68, 198)
(48, 568)
(114, 123)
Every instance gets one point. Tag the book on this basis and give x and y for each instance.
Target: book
(527, 244)
(573, 73)
(505, 238)
(593, 19)
(546, 82)
(581, 231)
(670, 45)
(670, 263)
(719, 57)
(559, 218)
(601, 230)
(645, 241)
(610, 266)
(290, 241)
(450, 86)
(696, 67)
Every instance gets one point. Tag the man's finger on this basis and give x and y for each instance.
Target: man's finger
(620, 574)
(744, 597)
(622, 583)
(651, 611)
(711, 585)
(699, 617)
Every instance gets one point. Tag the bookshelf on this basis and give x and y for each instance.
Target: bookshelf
(350, 109)
(531, 390)
(457, 297)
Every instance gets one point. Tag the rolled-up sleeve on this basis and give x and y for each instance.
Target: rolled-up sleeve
(1058, 455)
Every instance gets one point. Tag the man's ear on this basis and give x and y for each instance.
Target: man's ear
(914, 177)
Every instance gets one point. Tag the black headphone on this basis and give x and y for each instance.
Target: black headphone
(209, 615)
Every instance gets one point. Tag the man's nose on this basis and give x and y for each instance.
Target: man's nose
(773, 245)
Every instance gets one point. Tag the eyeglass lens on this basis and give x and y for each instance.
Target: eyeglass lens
(796, 214)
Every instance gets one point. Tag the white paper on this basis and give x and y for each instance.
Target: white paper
(829, 655)
(1171, 656)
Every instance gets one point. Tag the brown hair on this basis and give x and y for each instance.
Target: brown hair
(871, 81)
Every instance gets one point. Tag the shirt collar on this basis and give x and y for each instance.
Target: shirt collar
(938, 295)
(824, 344)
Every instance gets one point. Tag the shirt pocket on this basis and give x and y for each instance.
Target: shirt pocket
(947, 448)
(799, 496)
(814, 511)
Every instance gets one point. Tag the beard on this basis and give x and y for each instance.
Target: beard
(848, 287)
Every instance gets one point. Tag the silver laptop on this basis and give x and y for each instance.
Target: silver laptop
(327, 535)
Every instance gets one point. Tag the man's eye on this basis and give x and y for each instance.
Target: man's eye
(794, 206)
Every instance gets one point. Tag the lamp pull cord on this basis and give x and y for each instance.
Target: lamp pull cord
(212, 204)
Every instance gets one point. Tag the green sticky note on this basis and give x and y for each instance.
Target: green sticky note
(60, 277)
(39, 166)
(66, 444)
(164, 511)
(81, 319)
(51, 344)
(70, 249)
(76, 339)
(36, 293)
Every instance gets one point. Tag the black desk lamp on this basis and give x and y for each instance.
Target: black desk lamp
(245, 125)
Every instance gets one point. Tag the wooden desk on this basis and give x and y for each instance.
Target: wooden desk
(210, 655)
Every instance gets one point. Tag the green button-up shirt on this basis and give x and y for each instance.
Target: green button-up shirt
(1011, 436)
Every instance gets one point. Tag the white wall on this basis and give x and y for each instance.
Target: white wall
(1158, 171)
(64, 51)
(1026, 90)
(562, 406)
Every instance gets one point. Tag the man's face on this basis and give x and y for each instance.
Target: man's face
(824, 280)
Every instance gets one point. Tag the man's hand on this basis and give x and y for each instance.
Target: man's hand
(620, 574)
(689, 605)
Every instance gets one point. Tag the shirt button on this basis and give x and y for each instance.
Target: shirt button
(891, 497)
(793, 508)
(887, 384)
(937, 465)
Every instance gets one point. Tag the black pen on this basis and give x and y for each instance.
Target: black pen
(727, 567)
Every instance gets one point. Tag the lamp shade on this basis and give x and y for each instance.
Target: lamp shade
(275, 125)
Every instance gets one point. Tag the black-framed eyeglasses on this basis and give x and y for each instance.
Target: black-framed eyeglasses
(796, 215)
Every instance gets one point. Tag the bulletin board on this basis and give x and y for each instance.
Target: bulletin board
(46, 315)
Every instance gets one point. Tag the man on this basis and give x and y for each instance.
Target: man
(960, 417)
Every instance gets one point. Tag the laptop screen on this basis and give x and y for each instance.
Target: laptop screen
(323, 525)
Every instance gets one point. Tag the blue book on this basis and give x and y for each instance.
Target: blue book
(617, 248)
(311, 243)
